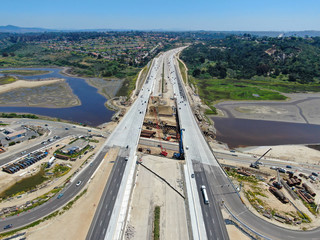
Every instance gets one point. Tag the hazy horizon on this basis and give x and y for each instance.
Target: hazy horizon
(157, 29)
(231, 15)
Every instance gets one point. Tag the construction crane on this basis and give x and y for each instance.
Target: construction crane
(256, 163)
(180, 154)
(277, 184)
(163, 151)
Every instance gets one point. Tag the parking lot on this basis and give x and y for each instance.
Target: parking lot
(10, 136)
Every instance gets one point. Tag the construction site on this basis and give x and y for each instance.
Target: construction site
(161, 134)
(283, 196)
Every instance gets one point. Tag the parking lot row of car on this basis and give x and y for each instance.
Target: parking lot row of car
(24, 163)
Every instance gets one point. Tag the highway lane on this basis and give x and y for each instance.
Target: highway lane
(70, 191)
(211, 212)
(104, 211)
(198, 152)
(126, 135)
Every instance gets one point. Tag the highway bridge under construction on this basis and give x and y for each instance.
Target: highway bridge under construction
(164, 167)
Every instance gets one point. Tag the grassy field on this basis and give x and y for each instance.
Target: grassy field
(25, 72)
(156, 224)
(25, 184)
(60, 170)
(128, 86)
(258, 88)
(217, 89)
(7, 80)
(183, 71)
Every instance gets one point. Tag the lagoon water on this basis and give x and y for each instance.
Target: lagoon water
(234, 132)
(91, 112)
(244, 132)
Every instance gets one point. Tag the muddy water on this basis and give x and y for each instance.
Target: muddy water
(92, 110)
(244, 132)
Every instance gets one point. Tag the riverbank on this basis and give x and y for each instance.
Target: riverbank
(106, 87)
(24, 72)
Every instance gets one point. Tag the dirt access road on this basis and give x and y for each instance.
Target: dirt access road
(301, 108)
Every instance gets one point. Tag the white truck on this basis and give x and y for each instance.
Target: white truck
(204, 194)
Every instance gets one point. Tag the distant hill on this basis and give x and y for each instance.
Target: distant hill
(15, 29)
(309, 33)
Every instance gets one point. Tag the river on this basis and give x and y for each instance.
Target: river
(91, 112)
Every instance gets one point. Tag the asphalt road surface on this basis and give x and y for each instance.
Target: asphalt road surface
(156, 143)
(214, 222)
(103, 214)
(197, 149)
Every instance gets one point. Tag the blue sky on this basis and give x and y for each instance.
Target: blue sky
(281, 15)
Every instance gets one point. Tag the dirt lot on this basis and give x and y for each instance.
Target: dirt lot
(235, 233)
(300, 108)
(150, 191)
(294, 153)
(79, 217)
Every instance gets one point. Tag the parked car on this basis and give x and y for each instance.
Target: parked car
(312, 177)
(288, 166)
(8, 226)
(282, 170)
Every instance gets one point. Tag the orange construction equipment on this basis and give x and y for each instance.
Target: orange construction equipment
(163, 151)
